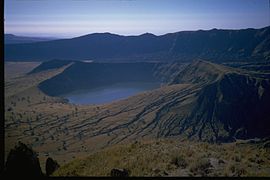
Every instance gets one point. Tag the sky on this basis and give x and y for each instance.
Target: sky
(71, 18)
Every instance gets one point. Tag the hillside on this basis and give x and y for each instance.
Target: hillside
(82, 75)
(214, 103)
(230, 99)
(168, 157)
(49, 65)
(216, 45)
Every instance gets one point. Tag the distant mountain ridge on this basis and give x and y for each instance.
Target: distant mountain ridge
(213, 45)
(14, 39)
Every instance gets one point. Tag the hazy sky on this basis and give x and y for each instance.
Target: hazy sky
(69, 18)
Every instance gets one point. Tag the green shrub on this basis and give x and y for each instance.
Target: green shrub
(239, 171)
(236, 158)
(236, 170)
(179, 161)
(201, 167)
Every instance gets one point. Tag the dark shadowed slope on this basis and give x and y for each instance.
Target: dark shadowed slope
(83, 75)
(263, 67)
(48, 65)
(219, 45)
(232, 100)
(231, 103)
(201, 72)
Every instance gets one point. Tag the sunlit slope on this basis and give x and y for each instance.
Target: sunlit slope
(174, 158)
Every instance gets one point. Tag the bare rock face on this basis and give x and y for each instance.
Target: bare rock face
(51, 166)
(22, 161)
(119, 173)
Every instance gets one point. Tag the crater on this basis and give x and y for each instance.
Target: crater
(109, 93)
(98, 83)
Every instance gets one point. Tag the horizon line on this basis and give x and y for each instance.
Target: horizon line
(106, 32)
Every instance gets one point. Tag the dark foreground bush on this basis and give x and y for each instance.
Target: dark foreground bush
(51, 166)
(119, 173)
(22, 161)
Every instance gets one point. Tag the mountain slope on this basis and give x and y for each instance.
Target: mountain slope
(170, 157)
(213, 103)
(216, 45)
(48, 65)
(201, 72)
(81, 75)
(235, 102)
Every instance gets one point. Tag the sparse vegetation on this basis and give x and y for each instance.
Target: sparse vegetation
(179, 161)
(48, 123)
(168, 158)
(201, 167)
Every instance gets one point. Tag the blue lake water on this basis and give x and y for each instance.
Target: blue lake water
(109, 93)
